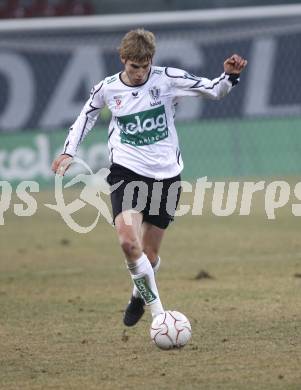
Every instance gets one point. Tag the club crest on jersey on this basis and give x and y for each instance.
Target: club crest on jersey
(118, 101)
(155, 94)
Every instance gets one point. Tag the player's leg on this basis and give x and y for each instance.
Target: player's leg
(129, 234)
(152, 235)
(142, 273)
(151, 241)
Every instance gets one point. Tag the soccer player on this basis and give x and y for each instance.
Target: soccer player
(143, 148)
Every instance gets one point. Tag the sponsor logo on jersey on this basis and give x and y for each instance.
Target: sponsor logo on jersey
(143, 128)
(155, 94)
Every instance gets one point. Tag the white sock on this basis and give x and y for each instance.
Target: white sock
(144, 278)
(156, 267)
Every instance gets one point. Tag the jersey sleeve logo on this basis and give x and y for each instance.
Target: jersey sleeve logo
(143, 128)
(111, 79)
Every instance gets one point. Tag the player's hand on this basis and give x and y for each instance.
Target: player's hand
(61, 164)
(235, 64)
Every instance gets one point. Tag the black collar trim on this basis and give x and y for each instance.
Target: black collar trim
(135, 86)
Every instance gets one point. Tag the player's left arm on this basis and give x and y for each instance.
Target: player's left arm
(186, 84)
(221, 86)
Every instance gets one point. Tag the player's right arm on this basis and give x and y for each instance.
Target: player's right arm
(80, 128)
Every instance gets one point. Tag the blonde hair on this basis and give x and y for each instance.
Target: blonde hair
(138, 45)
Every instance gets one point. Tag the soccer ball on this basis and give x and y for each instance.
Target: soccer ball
(170, 329)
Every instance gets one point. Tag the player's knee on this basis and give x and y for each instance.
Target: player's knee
(129, 246)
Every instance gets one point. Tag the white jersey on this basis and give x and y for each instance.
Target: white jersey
(142, 135)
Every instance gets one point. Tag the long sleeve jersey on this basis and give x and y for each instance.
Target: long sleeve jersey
(142, 135)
